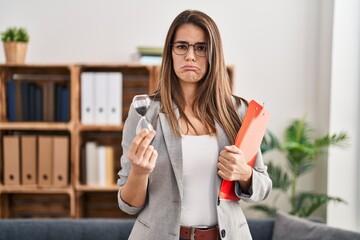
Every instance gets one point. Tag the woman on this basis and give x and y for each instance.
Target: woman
(171, 177)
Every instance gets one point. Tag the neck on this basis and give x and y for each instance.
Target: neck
(189, 91)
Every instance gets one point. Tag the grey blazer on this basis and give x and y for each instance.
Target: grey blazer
(159, 218)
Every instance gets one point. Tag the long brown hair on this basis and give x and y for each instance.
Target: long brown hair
(214, 100)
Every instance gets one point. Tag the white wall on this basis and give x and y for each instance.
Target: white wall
(280, 48)
(343, 167)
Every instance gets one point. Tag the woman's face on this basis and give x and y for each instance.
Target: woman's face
(189, 67)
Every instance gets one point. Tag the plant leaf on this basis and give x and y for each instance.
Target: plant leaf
(340, 140)
(302, 152)
(298, 131)
(305, 166)
(307, 202)
(15, 34)
(280, 179)
(300, 157)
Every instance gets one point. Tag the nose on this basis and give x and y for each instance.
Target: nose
(190, 55)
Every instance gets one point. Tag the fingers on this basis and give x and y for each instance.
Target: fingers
(224, 163)
(231, 164)
(149, 158)
(153, 158)
(141, 142)
(148, 152)
(223, 175)
(226, 172)
(142, 147)
(141, 154)
(231, 154)
(136, 141)
(233, 149)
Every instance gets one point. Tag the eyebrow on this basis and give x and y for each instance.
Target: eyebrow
(189, 43)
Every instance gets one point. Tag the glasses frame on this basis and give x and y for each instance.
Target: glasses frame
(189, 45)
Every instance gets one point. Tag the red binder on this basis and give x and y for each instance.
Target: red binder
(248, 140)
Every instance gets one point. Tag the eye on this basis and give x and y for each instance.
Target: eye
(181, 46)
(200, 48)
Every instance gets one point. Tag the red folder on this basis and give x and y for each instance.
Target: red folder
(248, 140)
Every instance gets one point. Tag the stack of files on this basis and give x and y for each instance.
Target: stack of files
(53, 161)
(11, 146)
(33, 102)
(49, 101)
(14, 101)
(101, 98)
(62, 103)
(24, 101)
(45, 161)
(28, 159)
(60, 159)
(31, 160)
(150, 55)
(99, 164)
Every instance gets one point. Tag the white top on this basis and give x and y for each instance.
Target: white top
(200, 157)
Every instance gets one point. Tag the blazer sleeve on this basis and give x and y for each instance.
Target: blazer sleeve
(261, 183)
(128, 135)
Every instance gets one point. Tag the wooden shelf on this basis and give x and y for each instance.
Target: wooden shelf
(115, 65)
(39, 126)
(105, 128)
(84, 188)
(35, 189)
(35, 65)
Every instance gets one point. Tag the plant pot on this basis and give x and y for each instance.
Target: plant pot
(15, 52)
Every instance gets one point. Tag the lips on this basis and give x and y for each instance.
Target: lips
(189, 68)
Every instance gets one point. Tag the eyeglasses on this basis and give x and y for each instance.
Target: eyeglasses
(181, 48)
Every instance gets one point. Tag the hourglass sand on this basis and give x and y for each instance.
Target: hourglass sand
(141, 104)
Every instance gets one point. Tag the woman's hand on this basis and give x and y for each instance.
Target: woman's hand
(233, 167)
(141, 154)
(142, 157)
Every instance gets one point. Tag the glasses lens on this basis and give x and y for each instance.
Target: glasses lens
(180, 48)
(200, 49)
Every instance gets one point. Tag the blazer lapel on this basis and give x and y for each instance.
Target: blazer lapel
(173, 145)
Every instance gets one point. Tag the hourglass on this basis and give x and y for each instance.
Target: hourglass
(141, 104)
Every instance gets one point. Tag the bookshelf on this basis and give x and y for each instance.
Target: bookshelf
(74, 199)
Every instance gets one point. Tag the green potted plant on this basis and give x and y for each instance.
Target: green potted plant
(302, 151)
(15, 44)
